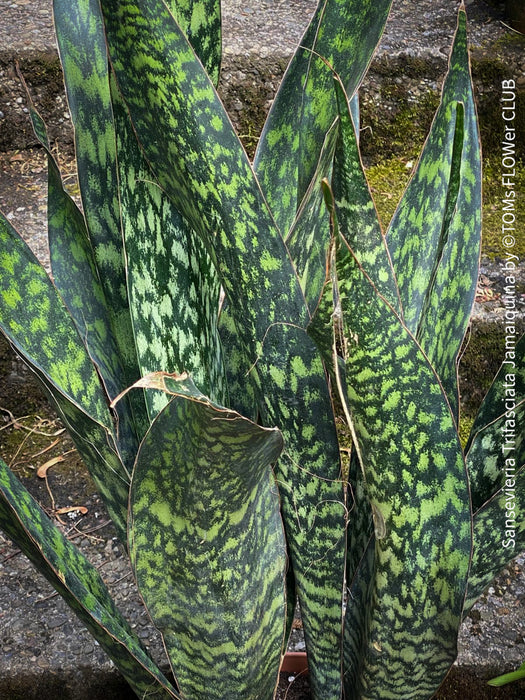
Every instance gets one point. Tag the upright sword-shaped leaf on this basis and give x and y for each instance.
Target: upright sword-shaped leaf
(415, 479)
(435, 235)
(341, 37)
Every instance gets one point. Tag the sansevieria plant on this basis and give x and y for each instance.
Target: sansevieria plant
(204, 316)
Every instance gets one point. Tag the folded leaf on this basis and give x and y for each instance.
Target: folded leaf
(207, 546)
(356, 212)
(309, 238)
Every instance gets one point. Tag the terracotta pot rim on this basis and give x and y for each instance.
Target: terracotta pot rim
(294, 662)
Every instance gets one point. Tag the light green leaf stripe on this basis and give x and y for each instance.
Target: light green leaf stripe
(417, 485)
(173, 285)
(435, 235)
(499, 534)
(35, 320)
(312, 495)
(82, 48)
(208, 549)
(74, 269)
(79, 583)
(200, 20)
(344, 35)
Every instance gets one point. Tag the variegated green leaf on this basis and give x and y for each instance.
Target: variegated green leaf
(198, 159)
(499, 533)
(200, 20)
(360, 572)
(416, 482)
(207, 546)
(434, 236)
(196, 137)
(497, 448)
(243, 390)
(35, 320)
(341, 37)
(507, 389)
(357, 216)
(74, 269)
(312, 494)
(80, 584)
(361, 228)
(76, 277)
(173, 285)
(83, 54)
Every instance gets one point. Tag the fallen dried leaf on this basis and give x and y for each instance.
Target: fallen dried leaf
(42, 471)
(70, 509)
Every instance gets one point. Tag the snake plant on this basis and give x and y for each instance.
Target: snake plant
(204, 316)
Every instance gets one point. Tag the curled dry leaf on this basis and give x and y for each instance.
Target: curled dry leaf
(42, 471)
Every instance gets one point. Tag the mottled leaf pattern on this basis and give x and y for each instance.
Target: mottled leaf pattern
(199, 161)
(200, 20)
(173, 286)
(317, 306)
(341, 37)
(498, 446)
(76, 278)
(79, 583)
(35, 320)
(417, 485)
(508, 388)
(312, 494)
(434, 236)
(208, 549)
(83, 54)
(356, 212)
(309, 237)
(497, 438)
